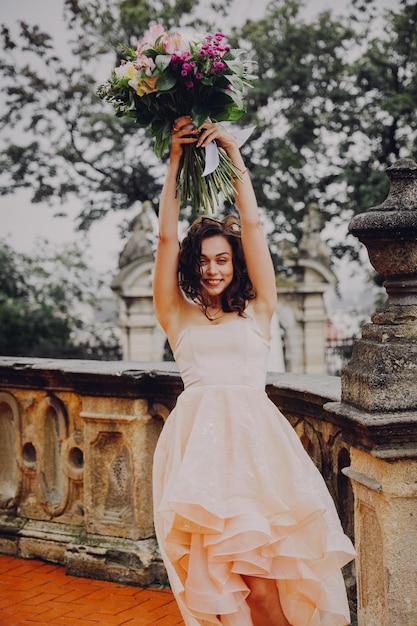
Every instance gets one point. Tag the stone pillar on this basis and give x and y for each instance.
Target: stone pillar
(301, 307)
(302, 314)
(118, 542)
(120, 436)
(143, 338)
(379, 412)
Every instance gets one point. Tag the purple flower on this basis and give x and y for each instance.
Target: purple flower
(189, 84)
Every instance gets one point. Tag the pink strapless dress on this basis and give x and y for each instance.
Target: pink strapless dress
(236, 493)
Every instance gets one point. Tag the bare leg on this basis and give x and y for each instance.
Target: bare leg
(264, 602)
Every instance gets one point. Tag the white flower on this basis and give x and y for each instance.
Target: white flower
(125, 70)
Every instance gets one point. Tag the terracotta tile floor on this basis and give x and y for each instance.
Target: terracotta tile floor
(34, 593)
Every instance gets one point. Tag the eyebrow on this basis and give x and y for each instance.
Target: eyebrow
(216, 255)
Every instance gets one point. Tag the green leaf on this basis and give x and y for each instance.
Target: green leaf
(221, 97)
(160, 129)
(162, 61)
(232, 54)
(207, 81)
(199, 114)
(235, 97)
(166, 81)
(236, 82)
(236, 66)
(232, 114)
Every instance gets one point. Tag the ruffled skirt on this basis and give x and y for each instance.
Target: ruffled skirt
(236, 494)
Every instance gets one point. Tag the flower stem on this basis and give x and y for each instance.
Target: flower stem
(202, 192)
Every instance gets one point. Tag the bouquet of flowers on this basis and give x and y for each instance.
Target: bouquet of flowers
(170, 75)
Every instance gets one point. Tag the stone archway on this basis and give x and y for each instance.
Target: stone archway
(302, 314)
(143, 338)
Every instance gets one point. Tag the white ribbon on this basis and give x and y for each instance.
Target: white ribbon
(212, 152)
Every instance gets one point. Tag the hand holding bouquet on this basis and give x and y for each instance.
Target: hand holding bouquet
(170, 75)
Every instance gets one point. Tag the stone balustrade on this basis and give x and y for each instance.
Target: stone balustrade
(76, 459)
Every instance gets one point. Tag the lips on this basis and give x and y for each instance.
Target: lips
(213, 283)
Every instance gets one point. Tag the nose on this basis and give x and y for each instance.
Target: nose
(211, 267)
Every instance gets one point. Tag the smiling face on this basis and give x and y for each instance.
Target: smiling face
(216, 264)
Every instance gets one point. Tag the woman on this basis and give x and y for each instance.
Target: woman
(246, 527)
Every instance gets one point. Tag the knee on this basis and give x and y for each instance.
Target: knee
(264, 602)
(262, 595)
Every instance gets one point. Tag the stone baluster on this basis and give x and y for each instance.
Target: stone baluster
(378, 412)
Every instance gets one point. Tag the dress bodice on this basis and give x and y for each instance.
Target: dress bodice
(233, 353)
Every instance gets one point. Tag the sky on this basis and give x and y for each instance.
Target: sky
(23, 223)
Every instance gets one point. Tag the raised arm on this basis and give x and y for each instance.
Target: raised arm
(168, 298)
(257, 255)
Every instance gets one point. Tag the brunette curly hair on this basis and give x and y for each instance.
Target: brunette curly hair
(240, 289)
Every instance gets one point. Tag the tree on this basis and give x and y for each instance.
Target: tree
(382, 118)
(43, 304)
(301, 71)
(70, 142)
(334, 106)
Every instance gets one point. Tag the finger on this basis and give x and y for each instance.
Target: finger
(183, 136)
(183, 133)
(207, 135)
(209, 126)
(182, 121)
